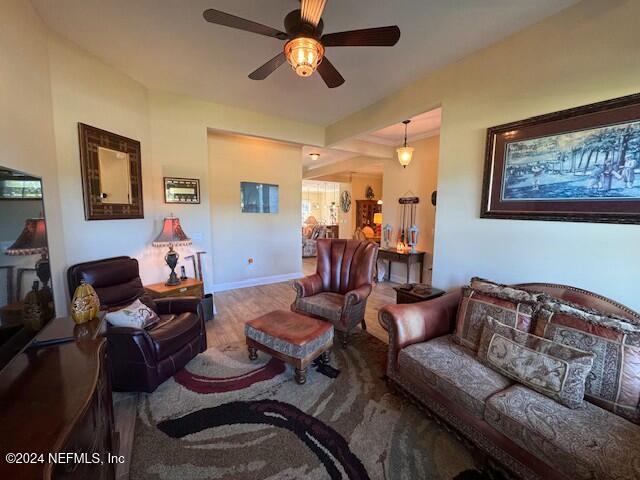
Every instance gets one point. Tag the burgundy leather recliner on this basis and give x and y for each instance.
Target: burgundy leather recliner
(141, 359)
(339, 289)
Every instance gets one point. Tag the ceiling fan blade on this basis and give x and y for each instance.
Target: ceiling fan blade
(268, 68)
(368, 37)
(221, 18)
(311, 11)
(329, 74)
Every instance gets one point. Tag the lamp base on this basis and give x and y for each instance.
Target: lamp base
(173, 280)
(172, 261)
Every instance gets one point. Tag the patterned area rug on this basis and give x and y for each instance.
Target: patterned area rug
(224, 417)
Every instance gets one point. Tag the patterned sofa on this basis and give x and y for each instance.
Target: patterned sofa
(310, 240)
(522, 432)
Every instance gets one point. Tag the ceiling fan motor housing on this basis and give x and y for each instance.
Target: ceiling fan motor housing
(294, 26)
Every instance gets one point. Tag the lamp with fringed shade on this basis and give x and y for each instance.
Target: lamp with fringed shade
(33, 241)
(170, 236)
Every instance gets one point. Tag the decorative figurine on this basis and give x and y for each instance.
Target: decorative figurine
(85, 304)
(386, 235)
(369, 193)
(413, 237)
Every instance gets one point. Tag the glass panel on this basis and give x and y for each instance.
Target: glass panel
(26, 298)
(258, 197)
(115, 178)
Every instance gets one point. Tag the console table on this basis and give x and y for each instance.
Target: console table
(57, 399)
(407, 258)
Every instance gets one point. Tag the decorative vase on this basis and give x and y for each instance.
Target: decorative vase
(369, 193)
(31, 308)
(172, 261)
(85, 304)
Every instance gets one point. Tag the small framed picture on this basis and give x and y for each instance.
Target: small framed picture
(181, 190)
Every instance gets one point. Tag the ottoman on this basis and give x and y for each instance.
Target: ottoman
(293, 338)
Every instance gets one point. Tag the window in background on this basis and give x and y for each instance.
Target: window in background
(258, 197)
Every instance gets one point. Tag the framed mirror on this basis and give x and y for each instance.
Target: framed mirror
(26, 297)
(111, 175)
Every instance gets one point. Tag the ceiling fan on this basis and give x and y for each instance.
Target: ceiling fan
(305, 44)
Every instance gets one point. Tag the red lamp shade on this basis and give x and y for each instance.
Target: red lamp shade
(32, 240)
(171, 234)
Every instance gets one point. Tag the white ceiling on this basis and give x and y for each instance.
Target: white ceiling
(375, 168)
(327, 156)
(422, 126)
(167, 45)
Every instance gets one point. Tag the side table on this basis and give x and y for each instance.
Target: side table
(187, 288)
(417, 293)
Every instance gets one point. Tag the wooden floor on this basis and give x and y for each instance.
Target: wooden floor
(234, 308)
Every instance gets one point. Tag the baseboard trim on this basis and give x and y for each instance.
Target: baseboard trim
(253, 282)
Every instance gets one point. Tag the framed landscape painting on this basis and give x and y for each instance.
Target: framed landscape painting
(579, 165)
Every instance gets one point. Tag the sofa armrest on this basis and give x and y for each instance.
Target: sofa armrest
(131, 343)
(308, 286)
(412, 323)
(177, 305)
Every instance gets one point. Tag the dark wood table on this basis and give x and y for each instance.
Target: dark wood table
(58, 399)
(408, 258)
(417, 293)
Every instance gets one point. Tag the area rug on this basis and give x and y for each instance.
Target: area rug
(225, 417)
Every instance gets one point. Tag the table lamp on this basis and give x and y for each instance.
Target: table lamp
(33, 241)
(377, 220)
(170, 236)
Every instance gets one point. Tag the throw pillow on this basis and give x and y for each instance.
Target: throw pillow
(555, 370)
(505, 291)
(149, 302)
(476, 304)
(136, 315)
(614, 380)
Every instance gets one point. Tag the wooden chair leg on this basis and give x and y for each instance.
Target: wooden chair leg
(253, 353)
(301, 376)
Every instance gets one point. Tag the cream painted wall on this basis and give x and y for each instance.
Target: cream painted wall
(179, 147)
(26, 126)
(585, 54)
(420, 179)
(86, 90)
(272, 240)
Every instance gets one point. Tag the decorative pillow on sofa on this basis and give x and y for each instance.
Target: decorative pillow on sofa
(505, 291)
(508, 305)
(614, 381)
(136, 315)
(555, 370)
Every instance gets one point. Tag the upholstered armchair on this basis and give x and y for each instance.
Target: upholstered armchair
(339, 289)
(141, 359)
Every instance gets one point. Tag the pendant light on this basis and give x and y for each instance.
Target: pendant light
(405, 154)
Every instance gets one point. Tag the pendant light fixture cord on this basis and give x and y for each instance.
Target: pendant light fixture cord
(406, 123)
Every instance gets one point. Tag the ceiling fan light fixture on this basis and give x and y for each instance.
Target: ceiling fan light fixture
(304, 54)
(314, 156)
(405, 153)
